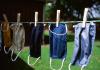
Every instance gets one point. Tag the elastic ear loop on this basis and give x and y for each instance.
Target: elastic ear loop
(16, 56)
(82, 67)
(69, 66)
(56, 33)
(28, 60)
(6, 52)
(51, 58)
(53, 68)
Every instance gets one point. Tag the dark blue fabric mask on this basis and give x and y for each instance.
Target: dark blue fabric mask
(58, 41)
(36, 41)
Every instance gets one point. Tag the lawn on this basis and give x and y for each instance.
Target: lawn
(43, 63)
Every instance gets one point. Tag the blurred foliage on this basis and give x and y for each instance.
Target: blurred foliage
(70, 9)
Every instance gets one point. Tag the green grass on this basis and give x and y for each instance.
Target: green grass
(43, 64)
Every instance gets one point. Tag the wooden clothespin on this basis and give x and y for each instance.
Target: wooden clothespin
(36, 18)
(18, 17)
(85, 17)
(6, 22)
(57, 18)
(5, 17)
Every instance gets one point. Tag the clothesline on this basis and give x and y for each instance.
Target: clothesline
(60, 22)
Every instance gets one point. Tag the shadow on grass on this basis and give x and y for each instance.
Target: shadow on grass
(7, 64)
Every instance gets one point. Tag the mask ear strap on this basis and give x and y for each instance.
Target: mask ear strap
(16, 56)
(28, 60)
(69, 66)
(59, 68)
(56, 33)
(82, 67)
(6, 52)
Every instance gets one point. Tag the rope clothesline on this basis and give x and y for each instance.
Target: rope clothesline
(60, 22)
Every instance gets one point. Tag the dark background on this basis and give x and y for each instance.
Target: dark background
(27, 9)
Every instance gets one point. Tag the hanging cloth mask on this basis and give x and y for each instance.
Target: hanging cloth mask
(84, 41)
(6, 36)
(18, 39)
(58, 43)
(35, 43)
